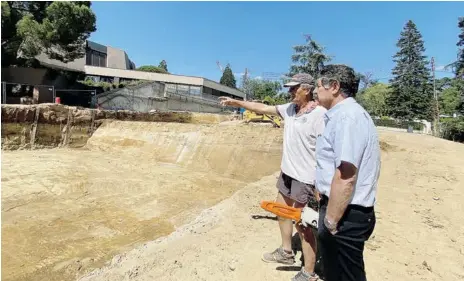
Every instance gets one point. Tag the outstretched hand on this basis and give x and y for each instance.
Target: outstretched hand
(225, 101)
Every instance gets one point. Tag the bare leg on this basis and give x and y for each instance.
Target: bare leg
(285, 225)
(308, 245)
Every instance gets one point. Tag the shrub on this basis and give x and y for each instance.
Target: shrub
(398, 124)
(452, 129)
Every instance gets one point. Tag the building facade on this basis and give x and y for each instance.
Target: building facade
(112, 65)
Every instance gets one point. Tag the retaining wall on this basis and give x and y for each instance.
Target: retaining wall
(56, 125)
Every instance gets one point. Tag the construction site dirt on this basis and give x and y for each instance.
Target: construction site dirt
(171, 201)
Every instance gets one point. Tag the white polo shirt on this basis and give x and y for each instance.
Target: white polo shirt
(299, 145)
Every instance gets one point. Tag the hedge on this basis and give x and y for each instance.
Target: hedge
(452, 129)
(398, 124)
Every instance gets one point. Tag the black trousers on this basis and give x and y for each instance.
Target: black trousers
(342, 253)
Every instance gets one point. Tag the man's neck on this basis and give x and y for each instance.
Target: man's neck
(337, 100)
(302, 107)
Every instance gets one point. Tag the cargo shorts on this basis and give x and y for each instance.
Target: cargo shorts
(298, 191)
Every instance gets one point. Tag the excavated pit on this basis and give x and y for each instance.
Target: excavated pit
(107, 185)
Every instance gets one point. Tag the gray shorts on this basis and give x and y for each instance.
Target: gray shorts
(300, 192)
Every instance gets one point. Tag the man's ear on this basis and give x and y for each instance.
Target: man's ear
(335, 87)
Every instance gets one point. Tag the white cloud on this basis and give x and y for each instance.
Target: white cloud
(258, 78)
(440, 67)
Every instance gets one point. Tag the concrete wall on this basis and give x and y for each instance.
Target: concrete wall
(116, 58)
(151, 96)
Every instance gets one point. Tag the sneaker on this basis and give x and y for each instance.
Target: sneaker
(279, 256)
(303, 275)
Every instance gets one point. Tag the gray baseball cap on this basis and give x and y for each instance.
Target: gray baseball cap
(300, 78)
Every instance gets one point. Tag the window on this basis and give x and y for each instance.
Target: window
(95, 58)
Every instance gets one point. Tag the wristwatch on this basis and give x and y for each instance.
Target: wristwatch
(331, 226)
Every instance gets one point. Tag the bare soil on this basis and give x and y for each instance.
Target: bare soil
(135, 212)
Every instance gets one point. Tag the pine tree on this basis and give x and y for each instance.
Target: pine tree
(163, 65)
(308, 58)
(460, 44)
(411, 85)
(228, 78)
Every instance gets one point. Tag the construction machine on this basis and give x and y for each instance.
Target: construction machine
(250, 116)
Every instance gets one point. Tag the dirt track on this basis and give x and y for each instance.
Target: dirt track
(81, 212)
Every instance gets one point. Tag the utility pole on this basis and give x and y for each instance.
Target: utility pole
(245, 83)
(437, 117)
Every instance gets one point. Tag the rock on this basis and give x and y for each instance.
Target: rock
(428, 267)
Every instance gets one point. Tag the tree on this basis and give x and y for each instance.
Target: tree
(267, 91)
(411, 83)
(458, 65)
(460, 44)
(374, 99)
(152, 68)
(163, 65)
(366, 80)
(450, 101)
(58, 29)
(308, 58)
(228, 78)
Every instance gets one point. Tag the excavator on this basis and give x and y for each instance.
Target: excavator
(250, 116)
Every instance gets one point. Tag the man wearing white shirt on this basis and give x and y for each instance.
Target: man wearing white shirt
(303, 123)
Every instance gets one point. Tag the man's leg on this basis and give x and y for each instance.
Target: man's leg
(285, 225)
(307, 193)
(342, 253)
(308, 246)
(283, 254)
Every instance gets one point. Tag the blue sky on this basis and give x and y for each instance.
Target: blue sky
(192, 36)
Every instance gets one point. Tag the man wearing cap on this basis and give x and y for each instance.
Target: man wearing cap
(348, 167)
(304, 122)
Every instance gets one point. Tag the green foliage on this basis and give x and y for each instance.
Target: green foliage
(106, 86)
(228, 78)
(152, 68)
(163, 65)
(450, 101)
(308, 58)
(374, 99)
(58, 29)
(453, 129)
(459, 70)
(411, 86)
(268, 91)
(383, 122)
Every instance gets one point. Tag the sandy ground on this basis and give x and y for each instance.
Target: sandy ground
(67, 211)
(419, 234)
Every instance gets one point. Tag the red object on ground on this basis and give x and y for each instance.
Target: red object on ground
(57, 100)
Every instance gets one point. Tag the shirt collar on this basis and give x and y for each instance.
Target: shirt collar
(331, 112)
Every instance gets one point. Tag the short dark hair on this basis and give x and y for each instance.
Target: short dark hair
(345, 75)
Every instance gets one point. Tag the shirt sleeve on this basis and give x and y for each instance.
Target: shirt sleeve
(282, 110)
(349, 141)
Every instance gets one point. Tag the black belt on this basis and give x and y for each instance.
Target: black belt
(325, 201)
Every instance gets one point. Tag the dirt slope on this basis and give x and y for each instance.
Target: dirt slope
(419, 234)
(66, 211)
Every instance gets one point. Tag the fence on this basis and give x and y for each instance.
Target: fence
(16, 93)
(162, 97)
